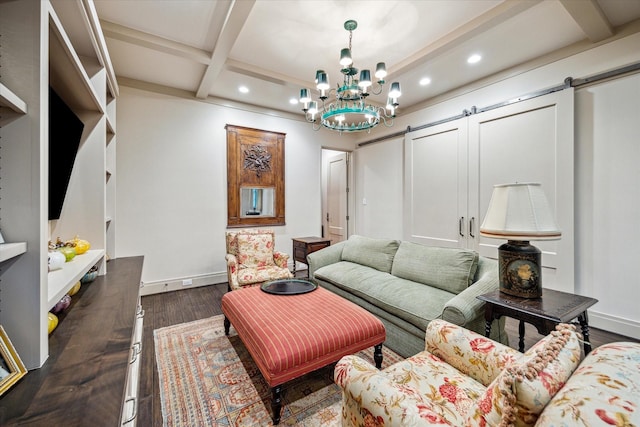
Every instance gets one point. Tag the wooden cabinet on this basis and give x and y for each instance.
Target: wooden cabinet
(39, 52)
(303, 246)
(92, 374)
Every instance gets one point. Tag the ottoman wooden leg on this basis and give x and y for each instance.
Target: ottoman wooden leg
(377, 355)
(276, 403)
(227, 325)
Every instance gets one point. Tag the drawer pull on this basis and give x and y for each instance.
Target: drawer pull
(136, 349)
(472, 225)
(134, 414)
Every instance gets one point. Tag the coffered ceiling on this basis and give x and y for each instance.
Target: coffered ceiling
(210, 48)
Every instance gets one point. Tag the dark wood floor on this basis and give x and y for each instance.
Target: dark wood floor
(182, 306)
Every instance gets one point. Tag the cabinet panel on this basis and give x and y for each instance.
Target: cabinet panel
(451, 168)
(436, 185)
(530, 141)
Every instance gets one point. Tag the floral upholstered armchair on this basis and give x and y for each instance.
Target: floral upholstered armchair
(465, 379)
(252, 259)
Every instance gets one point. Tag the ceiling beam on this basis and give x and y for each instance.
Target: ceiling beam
(238, 14)
(149, 41)
(473, 28)
(590, 17)
(264, 74)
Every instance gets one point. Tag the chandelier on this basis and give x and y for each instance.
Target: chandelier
(349, 111)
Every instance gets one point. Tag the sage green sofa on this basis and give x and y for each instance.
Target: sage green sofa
(407, 285)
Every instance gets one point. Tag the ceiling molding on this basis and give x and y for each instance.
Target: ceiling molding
(479, 25)
(150, 41)
(222, 102)
(236, 18)
(590, 18)
(263, 74)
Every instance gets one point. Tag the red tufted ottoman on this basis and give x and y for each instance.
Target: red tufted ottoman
(291, 335)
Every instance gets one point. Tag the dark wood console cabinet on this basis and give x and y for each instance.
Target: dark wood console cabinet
(90, 377)
(303, 246)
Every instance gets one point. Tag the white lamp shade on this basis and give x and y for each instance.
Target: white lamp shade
(519, 211)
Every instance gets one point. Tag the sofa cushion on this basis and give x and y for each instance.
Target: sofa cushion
(255, 250)
(446, 268)
(450, 391)
(374, 253)
(519, 394)
(412, 302)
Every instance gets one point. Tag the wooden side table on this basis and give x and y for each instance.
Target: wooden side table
(544, 313)
(303, 246)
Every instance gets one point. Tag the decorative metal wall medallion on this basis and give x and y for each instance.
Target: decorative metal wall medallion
(257, 159)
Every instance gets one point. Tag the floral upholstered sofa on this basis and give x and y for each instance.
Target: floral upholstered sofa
(252, 258)
(465, 379)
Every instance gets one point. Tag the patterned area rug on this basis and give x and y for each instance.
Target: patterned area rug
(209, 379)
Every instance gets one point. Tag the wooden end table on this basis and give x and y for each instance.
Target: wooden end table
(303, 246)
(544, 313)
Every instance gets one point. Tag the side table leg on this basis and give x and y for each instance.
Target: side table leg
(276, 403)
(487, 328)
(584, 323)
(227, 325)
(377, 355)
(521, 340)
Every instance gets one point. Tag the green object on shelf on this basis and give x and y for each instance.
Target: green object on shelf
(68, 252)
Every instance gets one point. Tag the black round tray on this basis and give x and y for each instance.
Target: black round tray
(288, 287)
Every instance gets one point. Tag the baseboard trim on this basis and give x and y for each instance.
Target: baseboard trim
(169, 285)
(627, 327)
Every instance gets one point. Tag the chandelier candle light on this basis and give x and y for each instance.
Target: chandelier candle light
(349, 112)
(519, 213)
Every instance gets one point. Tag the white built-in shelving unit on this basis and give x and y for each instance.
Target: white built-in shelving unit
(55, 43)
(11, 108)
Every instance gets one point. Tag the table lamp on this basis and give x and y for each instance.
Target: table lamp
(519, 212)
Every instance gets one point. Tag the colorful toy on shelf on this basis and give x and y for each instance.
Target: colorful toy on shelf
(62, 305)
(74, 290)
(81, 246)
(91, 275)
(53, 321)
(56, 260)
(67, 250)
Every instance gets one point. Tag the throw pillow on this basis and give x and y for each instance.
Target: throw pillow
(374, 253)
(448, 269)
(255, 250)
(519, 394)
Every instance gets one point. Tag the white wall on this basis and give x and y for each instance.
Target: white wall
(606, 178)
(608, 202)
(172, 184)
(379, 188)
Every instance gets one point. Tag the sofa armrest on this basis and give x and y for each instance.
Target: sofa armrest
(329, 255)
(281, 259)
(369, 397)
(232, 271)
(472, 354)
(465, 308)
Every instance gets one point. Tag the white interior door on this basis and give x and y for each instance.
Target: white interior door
(337, 205)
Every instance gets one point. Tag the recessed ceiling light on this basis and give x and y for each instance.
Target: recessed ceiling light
(474, 58)
(425, 81)
(243, 89)
(293, 101)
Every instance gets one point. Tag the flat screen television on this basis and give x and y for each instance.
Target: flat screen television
(65, 132)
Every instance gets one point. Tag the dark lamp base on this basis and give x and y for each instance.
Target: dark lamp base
(519, 269)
